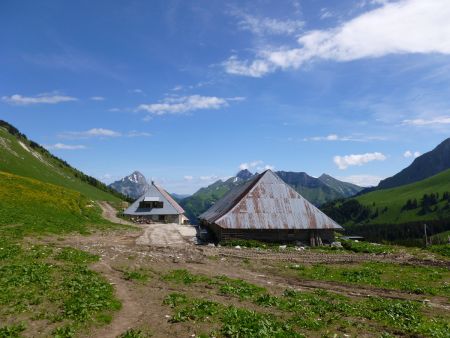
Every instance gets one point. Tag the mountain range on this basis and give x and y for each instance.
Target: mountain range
(317, 190)
(418, 193)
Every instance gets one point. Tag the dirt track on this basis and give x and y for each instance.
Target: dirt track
(109, 213)
(162, 247)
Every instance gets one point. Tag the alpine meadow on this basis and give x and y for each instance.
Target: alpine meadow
(238, 169)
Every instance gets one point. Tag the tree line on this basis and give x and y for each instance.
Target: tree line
(411, 233)
(428, 203)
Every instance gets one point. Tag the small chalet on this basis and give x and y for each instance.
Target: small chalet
(156, 205)
(266, 208)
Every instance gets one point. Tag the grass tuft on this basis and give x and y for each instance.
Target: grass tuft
(76, 256)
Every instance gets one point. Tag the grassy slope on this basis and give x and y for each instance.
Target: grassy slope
(44, 288)
(15, 159)
(30, 206)
(395, 198)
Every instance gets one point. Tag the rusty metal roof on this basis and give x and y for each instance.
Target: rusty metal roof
(266, 202)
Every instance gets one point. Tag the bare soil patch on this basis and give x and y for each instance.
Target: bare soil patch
(159, 248)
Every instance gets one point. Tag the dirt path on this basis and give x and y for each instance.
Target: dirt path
(130, 312)
(109, 213)
(162, 235)
(159, 248)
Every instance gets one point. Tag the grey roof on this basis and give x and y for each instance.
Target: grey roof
(151, 199)
(266, 202)
(155, 193)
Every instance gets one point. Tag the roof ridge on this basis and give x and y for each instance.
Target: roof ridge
(301, 215)
(169, 198)
(251, 184)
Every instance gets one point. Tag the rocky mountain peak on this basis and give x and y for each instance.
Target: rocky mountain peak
(133, 185)
(244, 174)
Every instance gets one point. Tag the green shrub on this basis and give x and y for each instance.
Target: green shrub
(137, 275)
(443, 249)
(247, 323)
(183, 276)
(238, 287)
(12, 331)
(76, 256)
(365, 247)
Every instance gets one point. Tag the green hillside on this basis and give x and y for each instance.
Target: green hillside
(30, 206)
(397, 214)
(23, 157)
(204, 198)
(426, 200)
(396, 198)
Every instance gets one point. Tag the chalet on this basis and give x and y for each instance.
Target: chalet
(266, 208)
(156, 205)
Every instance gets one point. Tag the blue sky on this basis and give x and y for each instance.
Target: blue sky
(191, 91)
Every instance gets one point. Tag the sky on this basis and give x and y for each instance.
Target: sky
(188, 92)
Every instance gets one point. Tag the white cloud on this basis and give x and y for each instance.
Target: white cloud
(62, 146)
(136, 91)
(113, 110)
(188, 178)
(343, 162)
(428, 122)
(250, 165)
(335, 137)
(264, 25)
(268, 167)
(18, 99)
(97, 98)
(325, 13)
(401, 27)
(184, 104)
(94, 132)
(331, 137)
(409, 153)
(208, 178)
(258, 165)
(106, 176)
(102, 133)
(135, 133)
(362, 180)
(256, 68)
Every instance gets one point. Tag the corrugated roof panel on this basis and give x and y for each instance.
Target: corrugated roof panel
(267, 202)
(223, 205)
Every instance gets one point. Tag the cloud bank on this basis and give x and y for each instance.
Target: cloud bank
(184, 104)
(62, 146)
(21, 100)
(343, 162)
(402, 27)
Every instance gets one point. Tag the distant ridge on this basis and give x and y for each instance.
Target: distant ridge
(424, 166)
(315, 190)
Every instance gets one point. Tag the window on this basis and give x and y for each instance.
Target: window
(151, 204)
